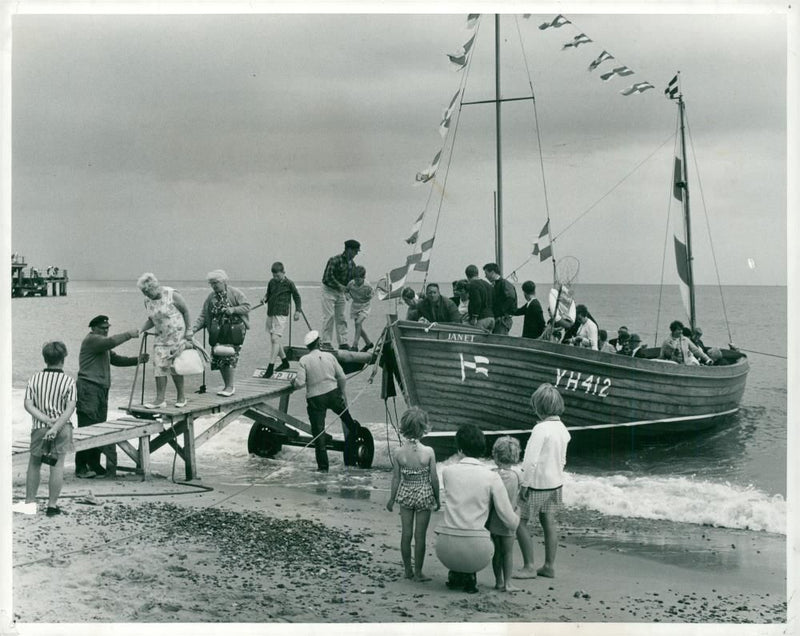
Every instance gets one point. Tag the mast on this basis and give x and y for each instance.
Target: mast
(686, 216)
(499, 215)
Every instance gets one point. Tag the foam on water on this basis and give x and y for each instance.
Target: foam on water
(680, 499)
(224, 458)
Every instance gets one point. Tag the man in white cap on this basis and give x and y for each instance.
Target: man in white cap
(325, 382)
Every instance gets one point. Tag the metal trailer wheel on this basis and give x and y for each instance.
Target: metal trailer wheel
(262, 441)
(365, 448)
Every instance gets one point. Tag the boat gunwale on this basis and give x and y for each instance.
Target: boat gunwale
(739, 367)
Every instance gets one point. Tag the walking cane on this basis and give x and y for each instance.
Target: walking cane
(202, 388)
(306, 319)
(142, 346)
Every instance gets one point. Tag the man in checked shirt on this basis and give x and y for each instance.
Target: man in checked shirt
(339, 271)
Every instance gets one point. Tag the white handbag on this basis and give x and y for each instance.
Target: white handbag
(189, 362)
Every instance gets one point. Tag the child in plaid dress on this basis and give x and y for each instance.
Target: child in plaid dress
(415, 486)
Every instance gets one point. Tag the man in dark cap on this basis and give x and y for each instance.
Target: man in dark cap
(94, 380)
(338, 272)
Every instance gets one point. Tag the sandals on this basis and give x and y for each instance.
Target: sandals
(225, 393)
(152, 407)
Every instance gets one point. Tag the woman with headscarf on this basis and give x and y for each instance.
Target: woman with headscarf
(167, 313)
(226, 309)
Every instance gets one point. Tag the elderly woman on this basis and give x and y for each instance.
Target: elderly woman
(463, 543)
(168, 315)
(224, 306)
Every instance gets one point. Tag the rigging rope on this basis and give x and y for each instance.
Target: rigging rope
(461, 89)
(708, 230)
(539, 145)
(666, 237)
(614, 187)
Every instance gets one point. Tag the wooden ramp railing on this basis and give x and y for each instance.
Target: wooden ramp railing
(166, 426)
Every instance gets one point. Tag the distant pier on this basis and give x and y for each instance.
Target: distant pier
(30, 281)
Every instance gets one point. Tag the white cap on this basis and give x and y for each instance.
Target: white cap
(310, 337)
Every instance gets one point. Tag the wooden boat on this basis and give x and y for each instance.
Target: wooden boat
(461, 374)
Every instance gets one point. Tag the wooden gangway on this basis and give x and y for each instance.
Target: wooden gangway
(156, 428)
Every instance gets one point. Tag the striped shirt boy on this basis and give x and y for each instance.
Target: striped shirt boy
(50, 390)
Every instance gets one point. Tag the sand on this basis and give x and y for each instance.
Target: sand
(323, 553)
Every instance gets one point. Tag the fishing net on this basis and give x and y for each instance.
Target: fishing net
(567, 269)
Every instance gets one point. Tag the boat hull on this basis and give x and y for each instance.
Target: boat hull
(459, 375)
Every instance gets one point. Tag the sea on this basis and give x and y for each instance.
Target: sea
(732, 476)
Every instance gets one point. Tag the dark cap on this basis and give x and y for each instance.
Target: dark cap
(98, 320)
(352, 244)
(635, 337)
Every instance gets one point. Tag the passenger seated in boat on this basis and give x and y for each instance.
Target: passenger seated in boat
(586, 327)
(461, 299)
(681, 349)
(602, 342)
(455, 297)
(636, 346)
(436, 308)
(697, 338)
(411, 300)
(622, 334)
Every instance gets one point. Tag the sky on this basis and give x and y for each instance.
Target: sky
(178, 144)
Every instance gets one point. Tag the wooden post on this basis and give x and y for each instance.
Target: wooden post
(189, 449)
(283, 405)
(144, 457)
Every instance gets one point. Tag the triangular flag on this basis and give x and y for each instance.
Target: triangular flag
(415, 229)
(557, 22)
(444, 126)
(576, 41)
(545, 253)
(472, 20)
(546, 229)
(430, 171)
(622, 71)
(605, 55)
(641, 87)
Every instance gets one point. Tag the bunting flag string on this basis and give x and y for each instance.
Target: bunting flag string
(577, 41)
(557, 23)
(429, 172)
(605, 55)
(622, 71)
(641, 87)
(412, 239)
(460, 60)
(444, 126)
(391, 286)
(472, 20)
(671, 91)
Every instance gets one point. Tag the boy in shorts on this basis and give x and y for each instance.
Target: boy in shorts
(360, 293)
(50, 398)
(280, 292)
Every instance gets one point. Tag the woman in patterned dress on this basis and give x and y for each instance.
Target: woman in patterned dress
(224, 304)
(168, 314)
(415, 486)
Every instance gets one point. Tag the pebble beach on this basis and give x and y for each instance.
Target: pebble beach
(131, 552)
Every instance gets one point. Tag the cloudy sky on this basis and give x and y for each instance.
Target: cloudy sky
(182, 143)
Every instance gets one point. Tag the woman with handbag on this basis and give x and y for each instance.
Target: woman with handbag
(225, 316)
(168, 314)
